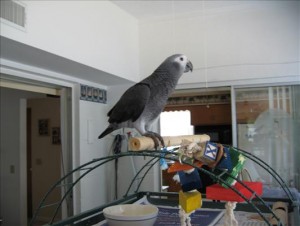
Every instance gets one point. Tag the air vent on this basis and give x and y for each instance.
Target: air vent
(13, 12)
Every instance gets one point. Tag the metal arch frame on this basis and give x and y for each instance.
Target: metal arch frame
(158, 155)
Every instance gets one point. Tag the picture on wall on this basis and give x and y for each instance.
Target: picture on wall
(89, 93)
(95, 94)
(102, 96)
(83, 92)
(56, 139)
(43, 126)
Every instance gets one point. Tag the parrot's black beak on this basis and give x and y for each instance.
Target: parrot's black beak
(188, 67)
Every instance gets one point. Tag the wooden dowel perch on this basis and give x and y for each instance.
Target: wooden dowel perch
(146, 143)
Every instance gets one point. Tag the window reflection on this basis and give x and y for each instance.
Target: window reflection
(268, 126)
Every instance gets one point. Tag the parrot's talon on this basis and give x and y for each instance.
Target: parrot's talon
(160, 139)
(155, 137)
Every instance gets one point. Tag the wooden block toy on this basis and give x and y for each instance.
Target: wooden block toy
(217, 192)
(238, 161)
(190, 181)
(190, 201)
(225, 162)
(211, 154)
(219, 155)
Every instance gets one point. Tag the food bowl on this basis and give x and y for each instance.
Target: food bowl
(131, 215)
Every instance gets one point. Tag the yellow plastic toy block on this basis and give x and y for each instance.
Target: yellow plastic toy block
(190, 201)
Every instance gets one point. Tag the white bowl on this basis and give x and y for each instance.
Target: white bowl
(131, 215)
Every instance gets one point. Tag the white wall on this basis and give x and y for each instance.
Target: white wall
(94, 33)
(254, 41)
(13, 161)
(93, 186)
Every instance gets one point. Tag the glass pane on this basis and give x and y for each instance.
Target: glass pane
(268, 127)
(181, 127)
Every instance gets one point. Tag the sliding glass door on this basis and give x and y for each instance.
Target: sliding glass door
(267, 121)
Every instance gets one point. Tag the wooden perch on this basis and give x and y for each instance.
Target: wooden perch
(146, 143)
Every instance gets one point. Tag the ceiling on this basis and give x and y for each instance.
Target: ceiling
(147, 9)
(141, 9)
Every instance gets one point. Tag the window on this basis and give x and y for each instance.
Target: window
(268, 126)
(176, 123)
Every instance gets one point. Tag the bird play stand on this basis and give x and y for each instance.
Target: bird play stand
(227, 187)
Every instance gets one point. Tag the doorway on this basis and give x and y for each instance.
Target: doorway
(31, 152)
(44, 153)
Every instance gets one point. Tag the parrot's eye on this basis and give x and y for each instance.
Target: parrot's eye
(181, 58)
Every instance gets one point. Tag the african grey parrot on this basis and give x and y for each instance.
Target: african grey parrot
(142, 103)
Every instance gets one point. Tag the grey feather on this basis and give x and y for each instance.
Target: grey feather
(129, 107)
(142, 103)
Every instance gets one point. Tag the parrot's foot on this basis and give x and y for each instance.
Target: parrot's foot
(156, 139)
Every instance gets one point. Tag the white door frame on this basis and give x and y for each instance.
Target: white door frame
(22, 73)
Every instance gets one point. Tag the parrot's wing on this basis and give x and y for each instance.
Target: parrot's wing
(131, 104)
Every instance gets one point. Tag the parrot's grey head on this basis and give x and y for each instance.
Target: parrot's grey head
(180, 62)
